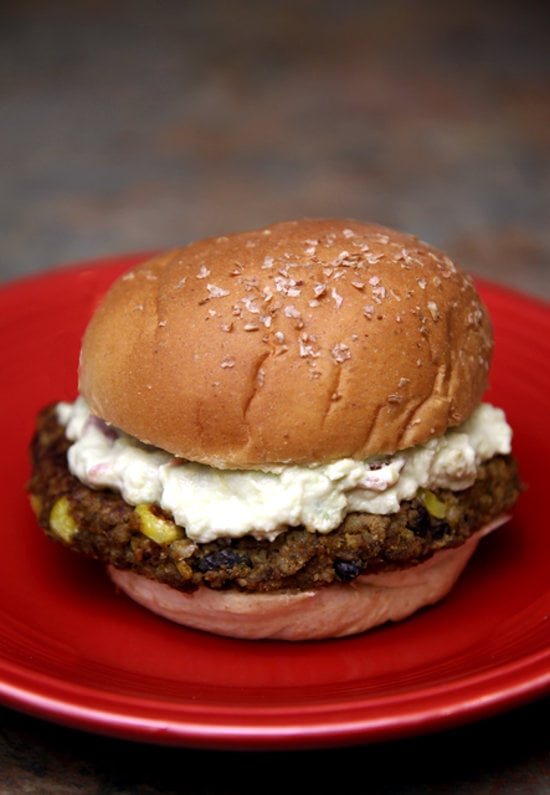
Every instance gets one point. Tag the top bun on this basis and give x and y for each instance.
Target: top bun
(303, 342)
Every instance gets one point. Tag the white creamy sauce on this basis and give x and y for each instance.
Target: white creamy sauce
(211, 503)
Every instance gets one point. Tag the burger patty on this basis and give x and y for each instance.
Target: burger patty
(145, 539)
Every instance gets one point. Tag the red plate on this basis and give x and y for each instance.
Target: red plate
(74, 651)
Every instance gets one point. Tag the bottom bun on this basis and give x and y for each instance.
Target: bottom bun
(329, 612)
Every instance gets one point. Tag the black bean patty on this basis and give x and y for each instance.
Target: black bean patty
(100, 524)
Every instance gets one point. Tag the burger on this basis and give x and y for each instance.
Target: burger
(281, 433)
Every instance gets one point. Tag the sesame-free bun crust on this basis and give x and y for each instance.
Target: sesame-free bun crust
(303, 342)
(328, 612)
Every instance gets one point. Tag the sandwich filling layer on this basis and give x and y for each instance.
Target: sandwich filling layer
(146, 539)
(214, 503)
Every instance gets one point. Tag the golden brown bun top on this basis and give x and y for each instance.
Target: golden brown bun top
(303, 342)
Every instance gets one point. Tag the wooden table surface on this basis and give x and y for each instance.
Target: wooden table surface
(139, 125)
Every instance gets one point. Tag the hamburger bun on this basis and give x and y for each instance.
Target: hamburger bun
(304, 342)
(332, 612)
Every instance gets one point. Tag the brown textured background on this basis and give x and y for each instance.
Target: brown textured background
(139, 125)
